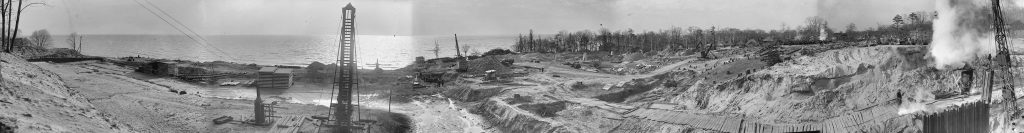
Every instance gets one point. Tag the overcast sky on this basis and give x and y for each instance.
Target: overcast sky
(445, 17)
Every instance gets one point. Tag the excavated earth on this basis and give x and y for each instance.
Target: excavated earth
(35, 100)
(854, 89)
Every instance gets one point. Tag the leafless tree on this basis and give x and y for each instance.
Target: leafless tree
(74, 41)
(10, 18)
(41, 38)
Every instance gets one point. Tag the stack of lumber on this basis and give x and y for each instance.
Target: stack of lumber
(273, 77)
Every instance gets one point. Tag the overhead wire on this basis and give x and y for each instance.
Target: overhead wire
(199, 42)
(207, 42)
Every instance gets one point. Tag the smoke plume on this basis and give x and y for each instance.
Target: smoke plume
(962, 32)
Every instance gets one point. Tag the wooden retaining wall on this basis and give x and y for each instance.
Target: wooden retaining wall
(852, 122)
(64, 60)
(969, 118)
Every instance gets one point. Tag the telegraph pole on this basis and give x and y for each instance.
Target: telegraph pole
(458, 53)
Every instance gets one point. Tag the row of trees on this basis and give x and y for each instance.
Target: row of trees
(906, 27)
(10, 18)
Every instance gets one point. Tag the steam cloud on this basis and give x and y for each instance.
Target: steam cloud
(962, 32)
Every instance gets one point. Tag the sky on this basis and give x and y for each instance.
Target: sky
(446, 17)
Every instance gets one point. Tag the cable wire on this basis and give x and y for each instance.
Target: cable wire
(199, 42)
(207, 42)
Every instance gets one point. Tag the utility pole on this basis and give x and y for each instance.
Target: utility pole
(458, 53)
(390, 93)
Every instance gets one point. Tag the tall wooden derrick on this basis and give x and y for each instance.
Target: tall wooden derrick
(1002, 62)
(345, 75)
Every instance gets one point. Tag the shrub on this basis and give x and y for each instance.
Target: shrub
(770, 54)
(498, 51)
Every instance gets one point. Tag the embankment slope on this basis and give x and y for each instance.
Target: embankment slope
(35, 100)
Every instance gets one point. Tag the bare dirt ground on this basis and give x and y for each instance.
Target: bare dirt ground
(34, 100)
(141, 106)
(813, 91)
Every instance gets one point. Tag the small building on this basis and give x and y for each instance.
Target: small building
(274, 77)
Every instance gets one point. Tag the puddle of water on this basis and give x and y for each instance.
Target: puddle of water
(299, 93)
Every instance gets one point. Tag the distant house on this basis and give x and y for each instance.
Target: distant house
(274, 77)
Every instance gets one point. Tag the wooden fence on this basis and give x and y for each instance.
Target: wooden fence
(969, 118)
(852, 122)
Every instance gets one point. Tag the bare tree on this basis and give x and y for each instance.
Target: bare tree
(41, 38)
(10, 18)
(74, 41)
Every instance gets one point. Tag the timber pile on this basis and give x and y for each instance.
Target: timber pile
(273, 77)
(287, 124)
(968, 118)
(852, 122)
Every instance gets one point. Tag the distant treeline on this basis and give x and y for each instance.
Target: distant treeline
(906, 29)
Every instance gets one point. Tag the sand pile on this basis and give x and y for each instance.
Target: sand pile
(813, 88)
(36, 100)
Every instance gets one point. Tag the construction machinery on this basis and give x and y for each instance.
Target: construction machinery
(345, 78)
(1001, 63)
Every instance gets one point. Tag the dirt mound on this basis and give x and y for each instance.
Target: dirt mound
(389, 122)
(634, 87)
(36, 100)
(810, 88)
(545, 109)
(508, 119)
(466, 94)
(480, 65)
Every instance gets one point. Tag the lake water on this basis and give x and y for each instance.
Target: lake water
(392, 51)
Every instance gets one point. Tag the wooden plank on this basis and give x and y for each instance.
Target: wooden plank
(858, 117)
(836, 127)
(750, 127)
(699, 123)
(703, 123)
(718, 124)
(848, 121)
(825, 128)
(729, 124)
(759, 127)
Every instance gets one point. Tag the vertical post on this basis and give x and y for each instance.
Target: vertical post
(390, 93)
(258, 105)
(458, 53)
(80, 44)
